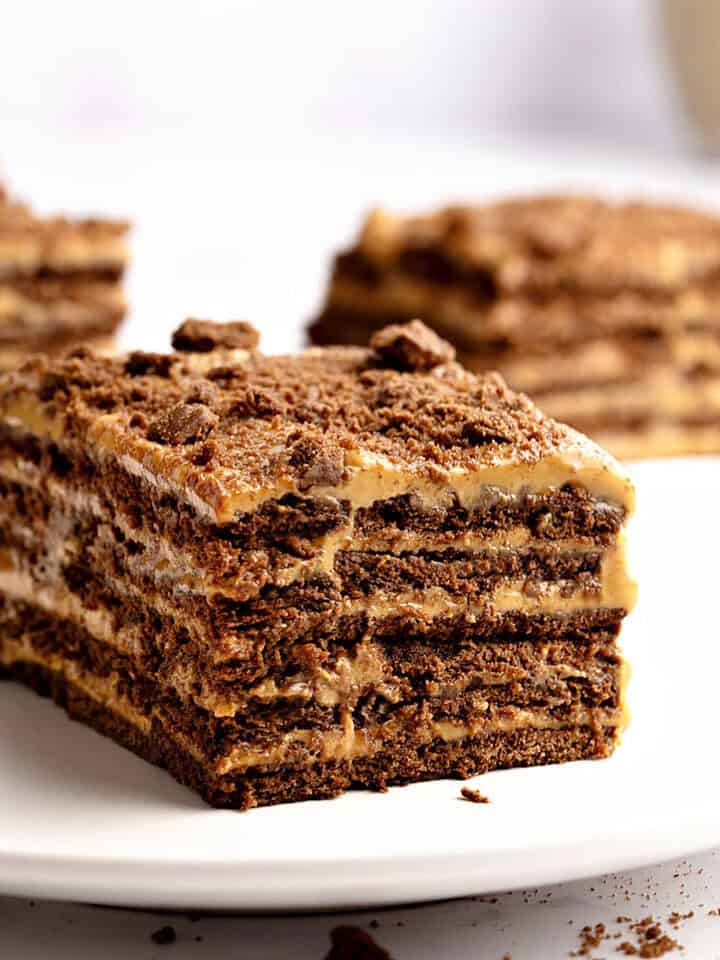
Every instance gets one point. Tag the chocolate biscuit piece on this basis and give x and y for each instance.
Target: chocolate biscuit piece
(203, 336)
(411, 346)
(309, 573)
(473, 796)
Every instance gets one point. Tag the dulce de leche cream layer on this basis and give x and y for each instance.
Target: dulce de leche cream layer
(280, 577)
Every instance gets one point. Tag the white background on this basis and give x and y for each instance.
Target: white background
(417, 67)
(245, 140)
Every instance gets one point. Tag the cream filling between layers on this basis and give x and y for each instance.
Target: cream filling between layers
(29, 254)
(345, 743)
(615, 590)
(60, 316)
(350, 675)
(661, 440)
(371, 477)
(174, 564)
(659, 394)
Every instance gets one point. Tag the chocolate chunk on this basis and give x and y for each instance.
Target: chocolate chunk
(473, 796)
(183, 424)
(164, 936)
(51, 384)
(318, 462)
(203, 392)
(140, 364)
(489, 428)
(411, 346)
(202, 336)
(353, 943)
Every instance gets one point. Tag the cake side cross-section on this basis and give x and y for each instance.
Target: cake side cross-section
(60, 281)
(281, 577)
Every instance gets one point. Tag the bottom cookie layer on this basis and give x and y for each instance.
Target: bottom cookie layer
(403, 762)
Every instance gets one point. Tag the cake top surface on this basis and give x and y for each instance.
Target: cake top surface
(555, 240)
(235, 426)
(19, 223)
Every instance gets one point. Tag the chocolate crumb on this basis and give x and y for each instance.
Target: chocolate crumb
(183, 424)
(411, 346)
(488, 428)
(320, 462)
(141, 364)
(202, 336)
(473, 796)
(352, 943)
(164, 936)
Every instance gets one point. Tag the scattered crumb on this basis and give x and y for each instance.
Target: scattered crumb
(352, 943)
(164, 936)
(676, 918)
(373, 924)
(650, 939)
(590, 937)
(474, 796)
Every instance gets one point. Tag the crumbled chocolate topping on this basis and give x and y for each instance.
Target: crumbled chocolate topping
(183, 424)
(253, 402)
(411, 346)
(353, 943)
(536, 242)
(488, 428)
(287, 419)
(203, 336)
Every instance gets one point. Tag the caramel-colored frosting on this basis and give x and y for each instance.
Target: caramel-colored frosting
(229, 430)
(346, 742)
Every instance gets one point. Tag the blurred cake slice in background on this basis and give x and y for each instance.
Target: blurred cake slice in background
(607, 314)
(60, 282)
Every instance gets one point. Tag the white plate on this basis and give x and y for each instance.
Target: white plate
(80, 818)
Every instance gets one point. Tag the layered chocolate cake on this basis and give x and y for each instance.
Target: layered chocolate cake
(606, 314)
(59, 282)
(280, 577)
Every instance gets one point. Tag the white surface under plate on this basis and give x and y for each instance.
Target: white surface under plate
(80, 818)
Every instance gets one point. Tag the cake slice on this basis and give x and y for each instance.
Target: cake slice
(59, 282)
(605, 313)
(281, 577)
